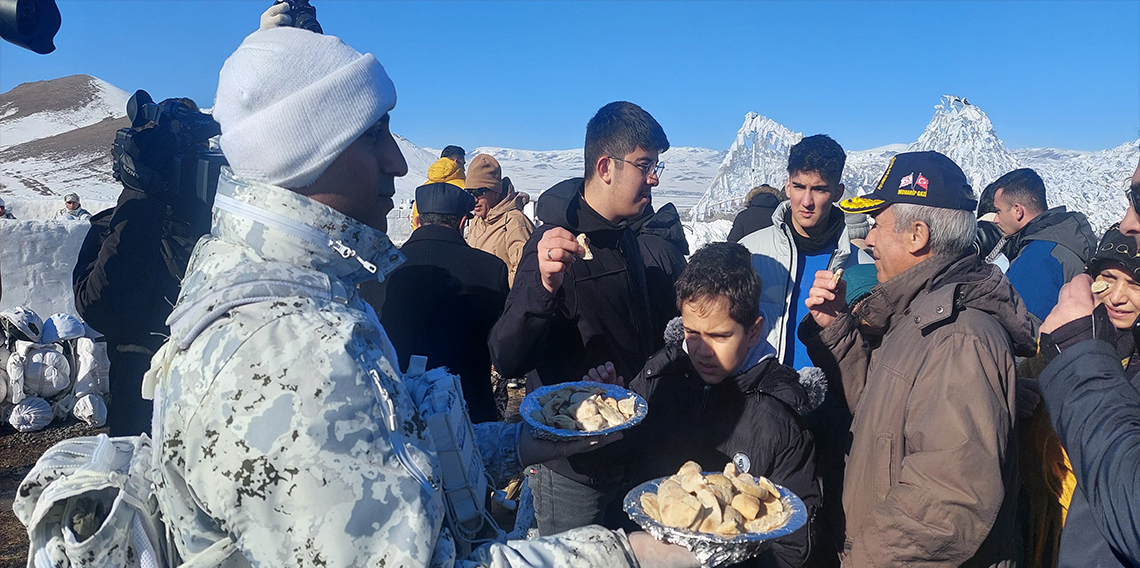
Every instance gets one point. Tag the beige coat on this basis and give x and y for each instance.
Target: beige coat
(504, 232)
(931, 476)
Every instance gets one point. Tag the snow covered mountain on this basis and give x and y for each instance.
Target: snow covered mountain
(55, 136)
(687, 170)
(1091, 182)
(758, 155)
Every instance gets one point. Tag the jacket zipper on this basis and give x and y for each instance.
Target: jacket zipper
(388, 409)
(787, 290)
(705, 397)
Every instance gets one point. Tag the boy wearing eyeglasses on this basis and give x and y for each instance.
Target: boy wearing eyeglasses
(577, 304)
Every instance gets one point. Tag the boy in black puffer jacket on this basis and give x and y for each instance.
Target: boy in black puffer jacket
(720, 395)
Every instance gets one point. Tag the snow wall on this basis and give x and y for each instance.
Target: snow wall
(38, 254)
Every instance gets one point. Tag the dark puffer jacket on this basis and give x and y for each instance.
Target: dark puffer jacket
(1095, 409)
(753, 418)
(757, 216)
(126, 280)
(1047, 253)
(661, 238)
(600, 314)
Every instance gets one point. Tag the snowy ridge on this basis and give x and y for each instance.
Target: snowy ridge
(1093, 183)
(758, 155)
(25, 115)
(1090, 182)
(687, 170)
(963, 132)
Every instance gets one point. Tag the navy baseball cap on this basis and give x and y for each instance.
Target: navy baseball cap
(921, 178)
(443, 199)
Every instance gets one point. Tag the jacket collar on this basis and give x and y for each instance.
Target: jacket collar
(283, 226)
(511, 202)
(436, 233)
(893, 297)
(564, 206)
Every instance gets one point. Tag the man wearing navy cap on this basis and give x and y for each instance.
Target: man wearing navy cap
(927, 360)
(442, 302)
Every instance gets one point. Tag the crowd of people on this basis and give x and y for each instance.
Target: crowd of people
(930, 405)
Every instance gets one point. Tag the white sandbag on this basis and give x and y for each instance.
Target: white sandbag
(15, 370)
(91, 410)
(45, 369)
(93, 376)
(62, 405)
(61, 327)
(31, 415)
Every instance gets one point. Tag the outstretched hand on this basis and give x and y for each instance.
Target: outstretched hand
(276, 17)
(532, 450)
(651, 552)
(605, 374)
(827, 298)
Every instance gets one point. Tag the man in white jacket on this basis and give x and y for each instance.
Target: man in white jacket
(808, 234)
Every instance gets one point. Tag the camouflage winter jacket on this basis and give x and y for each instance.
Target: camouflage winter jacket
(286, 435)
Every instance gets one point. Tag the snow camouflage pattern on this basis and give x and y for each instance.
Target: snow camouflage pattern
(284, 434)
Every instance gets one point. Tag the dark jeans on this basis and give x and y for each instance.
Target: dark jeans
(561, 504)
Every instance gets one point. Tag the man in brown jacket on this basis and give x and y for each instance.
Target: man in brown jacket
(500, 227)
(927, 361)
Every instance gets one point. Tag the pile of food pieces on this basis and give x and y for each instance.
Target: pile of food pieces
(726, 505)
(582, 408)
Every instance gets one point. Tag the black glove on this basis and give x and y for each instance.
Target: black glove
(986, 239)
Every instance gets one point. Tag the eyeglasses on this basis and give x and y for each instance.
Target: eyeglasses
(650, 169)
(1134, 197)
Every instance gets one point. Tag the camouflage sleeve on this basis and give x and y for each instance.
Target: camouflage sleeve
(285, 454)
(586, 547)
(499, 446)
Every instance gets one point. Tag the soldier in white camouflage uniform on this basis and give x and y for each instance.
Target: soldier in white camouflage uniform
(286, 435)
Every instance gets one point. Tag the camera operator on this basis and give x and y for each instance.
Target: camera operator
(129, 270)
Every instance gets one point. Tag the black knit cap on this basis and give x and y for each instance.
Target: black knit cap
(1115, 250)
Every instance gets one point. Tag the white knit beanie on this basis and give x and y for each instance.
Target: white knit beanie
(290, 101)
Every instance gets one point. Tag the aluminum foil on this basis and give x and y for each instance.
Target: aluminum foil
(544, 432)
(712, 550)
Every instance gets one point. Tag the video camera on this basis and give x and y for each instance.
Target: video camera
(166, 150)
(304, 15)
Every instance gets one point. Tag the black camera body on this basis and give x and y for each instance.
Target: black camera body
(304, 15)
(180, 164)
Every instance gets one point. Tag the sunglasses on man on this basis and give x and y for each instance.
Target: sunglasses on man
(478, 192)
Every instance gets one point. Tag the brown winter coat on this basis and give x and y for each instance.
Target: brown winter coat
(929, 376)
(504, 232)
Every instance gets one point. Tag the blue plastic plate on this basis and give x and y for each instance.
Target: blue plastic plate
(542, 431)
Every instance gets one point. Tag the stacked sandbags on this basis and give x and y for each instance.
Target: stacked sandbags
(52, 370)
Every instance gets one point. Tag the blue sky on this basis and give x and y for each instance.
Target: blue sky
(530, 74)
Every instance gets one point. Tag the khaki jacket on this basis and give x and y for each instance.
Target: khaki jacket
(929, 375)
(504, 232)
